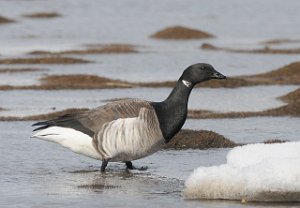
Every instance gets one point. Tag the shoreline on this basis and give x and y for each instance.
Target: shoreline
(286, 75)
(291, 108)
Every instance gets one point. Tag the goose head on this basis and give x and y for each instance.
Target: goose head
(200, 72)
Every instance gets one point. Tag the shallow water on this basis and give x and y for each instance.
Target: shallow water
(44, 174)
(108, 22)
(20, 79)
(32, 102)
(35, 173)
(251, 130)
(158, 66)
(136, 21)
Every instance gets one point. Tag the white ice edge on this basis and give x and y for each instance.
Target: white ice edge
(255, 172)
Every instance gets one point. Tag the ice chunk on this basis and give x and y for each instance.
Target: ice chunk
(256, 172)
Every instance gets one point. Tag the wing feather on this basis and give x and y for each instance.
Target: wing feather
(91, 121)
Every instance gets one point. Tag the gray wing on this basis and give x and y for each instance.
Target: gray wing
(91, 121)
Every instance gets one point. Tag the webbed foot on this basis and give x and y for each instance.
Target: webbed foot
(131, 167)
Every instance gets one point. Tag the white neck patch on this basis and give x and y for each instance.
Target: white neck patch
(186, 83)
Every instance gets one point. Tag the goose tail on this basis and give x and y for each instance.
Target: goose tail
(69, 138)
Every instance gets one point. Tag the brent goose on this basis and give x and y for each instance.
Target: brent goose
(129, 129)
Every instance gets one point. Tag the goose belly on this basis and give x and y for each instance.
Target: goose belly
(129, 139)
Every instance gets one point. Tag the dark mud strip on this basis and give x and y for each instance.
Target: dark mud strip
(287, 75)
(291, 97)
(291, 109)
(93, 49)
(265, 50)
(181, 33)
(287, 110)
(185, 139)
(42, 15)
(82, 82)
(199, 139)
(44, 60)
(20, 70)
(4, 20)
(115, 99)
(280, 41)
(273, 141)
(74, 81)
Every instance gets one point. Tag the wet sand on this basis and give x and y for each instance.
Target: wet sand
(272, 141)
(280, 41)
(292, 96)
(42, 15)
(93, 49)
(287, 110)
(81, 82)
(265, 50)
(199, 139)
(290, 109)
(44, 60)
(181, 33)
(4, 20)
(287, 75)
(20, 70)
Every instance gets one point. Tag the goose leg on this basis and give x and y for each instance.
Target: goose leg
(131, 167)
(104, 164)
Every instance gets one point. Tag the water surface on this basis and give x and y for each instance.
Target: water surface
(32, 102)
(39, 173)
(251, 130)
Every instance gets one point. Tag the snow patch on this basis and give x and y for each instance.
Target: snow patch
(256, 172)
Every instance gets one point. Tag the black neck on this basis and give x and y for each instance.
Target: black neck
(172, 112)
